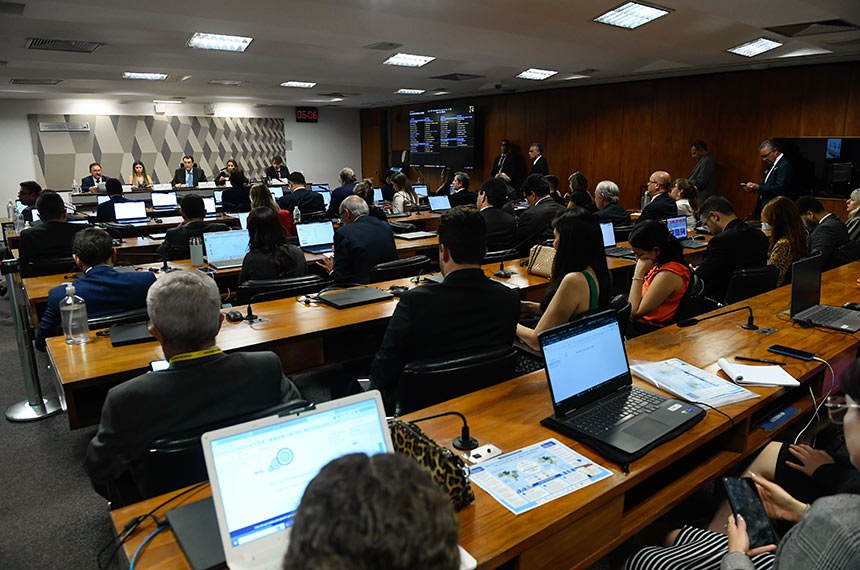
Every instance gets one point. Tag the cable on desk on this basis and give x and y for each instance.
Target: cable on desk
(816, 407)
(144, 543)
(730, 418)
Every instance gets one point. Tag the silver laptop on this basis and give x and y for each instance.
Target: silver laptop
(225, 249)
(377, 196)
(209, 203)
(130, 212)
(164, 201)
(439, 203)
(316, 237)
(806, 296)
(610, 248)
(421, 190)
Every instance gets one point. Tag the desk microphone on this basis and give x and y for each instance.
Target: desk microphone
(165, 268)
(749, 325)
(465, 442)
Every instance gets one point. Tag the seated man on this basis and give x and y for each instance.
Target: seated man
(105, 211)
(606, 198)
(339, 194)
(467, 311)
(95, 181)
(193, 224)
(307, 200)
(106, 290)
(51, 238)
(459, 194)
(361, 242)
(735, 245)
(28, 193)
(827, 234)
(501, 226)
(189, 175)
(534, 226)
(201, 386)
(662, 205)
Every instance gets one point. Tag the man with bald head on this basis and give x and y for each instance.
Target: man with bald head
(662, 205)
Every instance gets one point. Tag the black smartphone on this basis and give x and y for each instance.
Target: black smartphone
(792, 352)
(744, 499)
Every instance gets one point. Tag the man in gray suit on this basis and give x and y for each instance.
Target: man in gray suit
(828, 234)
(704, 174)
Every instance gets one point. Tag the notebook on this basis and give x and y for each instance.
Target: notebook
(225, 249)
(593, 396)
(421, 190)
(806, 296)
(320, 188)
(164, 201)
(209, 203)
(607, 230)
(130, 212)
(439, 203)
(316, 237)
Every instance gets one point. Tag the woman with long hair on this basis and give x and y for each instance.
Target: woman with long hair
(788, 237)
(686, 197)
(270, 256)
(364, 189)
(261, 197)
(224, 175)
(404, 196)
(853, 222)
(580, 277)
(139, 178)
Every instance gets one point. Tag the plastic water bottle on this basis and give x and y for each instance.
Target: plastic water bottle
(73, 312)
(76, 188)
(10, 210)
(297, 215)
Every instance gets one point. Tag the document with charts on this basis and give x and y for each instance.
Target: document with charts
(690, 383)
(527, 478)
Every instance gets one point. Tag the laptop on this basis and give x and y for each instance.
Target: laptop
(353, 297)
(320, 188)
(316, 237)
(806, 296)
(439, 203)
(421, 190)
(20, 206)
(593, 396)
(225, 249)
(377, 196)
(276, 192)
(607, 230)
(243, 219)
(164, 201)
(326, 196)
(677, 225)
(102, 199)
(217, 195)
(36, 216)
(130, 212)
(209, 203)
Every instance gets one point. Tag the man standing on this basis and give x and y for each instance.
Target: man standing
(347, 184)
(305, 199)
(505, 162)
(95, 181)
(662, 205)
(704, 173)
(777, 178)
(189, 175)
(534, 226)
(501, 226)
(606, 197)
(539, 164)
(828, 234)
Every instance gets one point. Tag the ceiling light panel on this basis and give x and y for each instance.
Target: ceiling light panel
(631, 15)
(228, 82)
(408, 60)
(409, 91)
(218, 42)
(144, 75)
(755, 47)
(535, 74)
(299, 84)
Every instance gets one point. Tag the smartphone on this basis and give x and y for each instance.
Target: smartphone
(744, 499)
(792, 352)
(157, 365)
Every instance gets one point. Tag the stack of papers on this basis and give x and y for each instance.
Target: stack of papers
(757, 375)
(691, 384)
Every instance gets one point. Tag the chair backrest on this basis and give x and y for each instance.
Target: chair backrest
(55, 266)
(693, 302)
(427, 382)
(498, 256)
(622, 308)
(270, 289)
(749, 282)
(124, 318)
(622, 233)
(318, 216)
(402, 227)
(399, 268)
(122, 230)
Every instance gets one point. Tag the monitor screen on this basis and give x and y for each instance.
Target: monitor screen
(377, 195)
(243, 219)
(217, 195)
(326, 196)
(103, 199)
(129, 210)
(163, 199)
(608, 232)
(320, 188)
(317, 233)
(225, 245)
(439, 203)
(677, 226)
(36, 216)
(443, 136)
(420, 189)
(19, 206)
(209, 202)
(277, 192)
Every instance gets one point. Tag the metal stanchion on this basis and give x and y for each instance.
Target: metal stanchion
(35, 407)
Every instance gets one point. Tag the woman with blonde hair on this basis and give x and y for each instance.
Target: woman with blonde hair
(853, 222)
(261, 197)
(404, 196)
(139, 178)
(788, 236)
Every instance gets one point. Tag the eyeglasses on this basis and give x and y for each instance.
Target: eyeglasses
(837, 407)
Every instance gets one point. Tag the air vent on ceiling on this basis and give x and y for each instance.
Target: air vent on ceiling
(458, 77)
(64, 127)
(14, 8)
(63, 45)
(35, 81)
(383, 46)
(814, 28)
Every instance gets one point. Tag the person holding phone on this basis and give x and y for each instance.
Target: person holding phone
(824, 534)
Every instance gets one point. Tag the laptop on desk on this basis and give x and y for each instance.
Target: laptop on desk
(217, 195)
(225, 249)
(130, 212)
(320, 188)
(806, 296)
(677, 226)
(607, 230)
(209, 203)
(164, 201)
(421, 190)
(439, 203)
(326, 196)
(377, 196)
(593, 396)
(276, 192)
(316, 237)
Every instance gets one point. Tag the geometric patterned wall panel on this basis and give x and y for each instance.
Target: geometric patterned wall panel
(160, 142)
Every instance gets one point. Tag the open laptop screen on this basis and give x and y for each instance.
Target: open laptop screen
(677, 226)
(608, 233)
(439, 203)
(20, 206)
(36, 215)
(326, 196)
(129, 210)
(102, 199)
(276, 192)
(377, 195)
(805, 283)
(163, 199)
(209, 202)
(420, 189)
(317, 233)
(225, 245)
(217, 194)
(320, 187)
(243, 219)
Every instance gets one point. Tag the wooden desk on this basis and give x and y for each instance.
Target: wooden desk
(576, 530)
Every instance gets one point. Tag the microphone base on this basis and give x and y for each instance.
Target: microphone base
(469, 445)
(503, 274)
(255, 319)
(749, 327)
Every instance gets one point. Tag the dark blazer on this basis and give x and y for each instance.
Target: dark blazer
(540, 167)
(187, 395)
(361, 245)
(236, 199)
(778, 184)
(175, 245)
(463, 198)
(106, 291)
(534, 226)
(704, 176)
(613, 213)
(830, 237)
(87, 182)
(196, 173)
(509, 166)
(662, 206)
(47, 240)
(501, 229)
(388, 192)
(583, 199)
(282, 173)
(105, 211)
(338, 195)
(736, 247)
(307, 201)
(260, 265)
(467, 311)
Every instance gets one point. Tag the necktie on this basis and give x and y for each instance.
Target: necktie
(189, 178)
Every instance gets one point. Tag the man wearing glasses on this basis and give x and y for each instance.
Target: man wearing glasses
(777, 176)
(662, 205)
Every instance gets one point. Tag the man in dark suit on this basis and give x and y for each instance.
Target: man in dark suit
(361, 242)
(307, 200)
(501, 226)
(538, 162)
(777, 178)
(106, 290)
(342, 192)
(662, 205)
(95, 181)
(460, 195)
(189, 175)
(28, 194)
(828, 234)
(735, 245)
(175, 245)
(201, 386)
(278, 169)
(466, 312)
(505, 162)
(704, 173)
(105, 211)
(534, 226)
(607, 196)
(50, 238)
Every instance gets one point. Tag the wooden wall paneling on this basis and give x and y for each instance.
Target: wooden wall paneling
(608, 119)
(372, 164)
(669, 140)
(701, 120)
(582, 130)
(558, 131)
(825, 100)
(780, 103)
(515, 128)
(852, 117)
(492, 117)
(536, 117)
(636, 131)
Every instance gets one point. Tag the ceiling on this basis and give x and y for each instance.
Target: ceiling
(324, 41)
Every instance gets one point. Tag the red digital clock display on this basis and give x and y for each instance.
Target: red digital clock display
(307, 115)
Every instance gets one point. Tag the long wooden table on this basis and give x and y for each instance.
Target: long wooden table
(576, 530)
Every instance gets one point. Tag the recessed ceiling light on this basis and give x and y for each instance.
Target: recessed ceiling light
(536, 74)
(755, 47)
(802, 52)
(409, 91)
(299, 84)
(408, 60)
(219, 42)
(575, 76)
(631, 15)
(228, 82)
(144, 75)
(177, 101)
(336, 99)
(185, 78)
(442, 93)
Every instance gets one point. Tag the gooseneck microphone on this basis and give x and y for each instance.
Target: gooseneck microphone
(749, 325)
(465, 442)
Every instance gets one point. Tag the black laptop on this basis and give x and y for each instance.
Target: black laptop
(607, 230)
(352, 297)
(806, 296)
(593, 395)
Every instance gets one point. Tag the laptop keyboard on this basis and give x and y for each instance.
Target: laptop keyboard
(527, 363)
(693, 243)
(616, 410)
(619, 251)
(826, 315)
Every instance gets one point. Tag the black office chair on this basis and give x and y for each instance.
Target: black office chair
(402, 227)
(499, 255)
(399, 268)
(622, 308)
(693, 302)
(427, 382)
(270, 289)
(122, 230)
(749, 282)
(55, 266)
(309, 217)
(622, 233)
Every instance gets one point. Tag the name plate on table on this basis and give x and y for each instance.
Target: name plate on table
(210, 184)
(163, 186)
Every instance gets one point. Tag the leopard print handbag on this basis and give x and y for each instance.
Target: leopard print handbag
(448, 470)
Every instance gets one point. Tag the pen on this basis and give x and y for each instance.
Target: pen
(762, 360)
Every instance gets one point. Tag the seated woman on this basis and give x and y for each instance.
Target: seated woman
(269, 255)
(404, 196)
(686, 197)
(580, 277)
(237, 198)
(824, 535)
(788, 237)
(139, 178)
(224, 175)
(262, 198)
(663, 274)
(853, 222)
(364, 189)
(579, 195)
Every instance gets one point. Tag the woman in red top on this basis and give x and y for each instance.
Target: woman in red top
(262, 198)
(660, 279)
